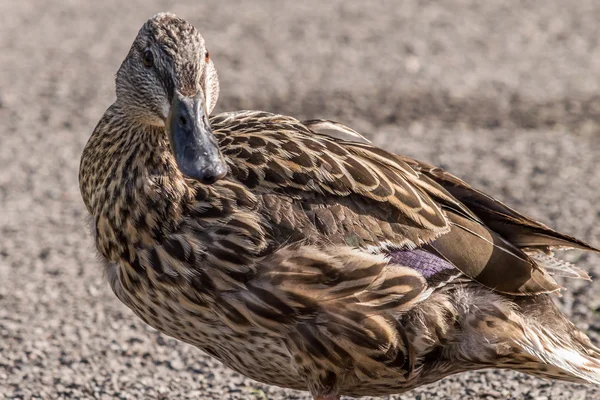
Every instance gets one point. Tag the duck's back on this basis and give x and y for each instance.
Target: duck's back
(316, 188)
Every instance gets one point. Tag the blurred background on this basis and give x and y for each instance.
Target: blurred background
(503, 94)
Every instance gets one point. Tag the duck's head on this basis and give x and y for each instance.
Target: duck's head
(168, 80)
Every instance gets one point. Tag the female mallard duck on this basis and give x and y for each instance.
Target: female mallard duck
(305, 260)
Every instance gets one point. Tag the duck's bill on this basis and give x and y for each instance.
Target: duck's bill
(192, 141)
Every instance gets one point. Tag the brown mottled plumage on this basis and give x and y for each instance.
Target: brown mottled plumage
(315, 260)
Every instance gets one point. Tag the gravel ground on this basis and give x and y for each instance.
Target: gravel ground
(505, 96)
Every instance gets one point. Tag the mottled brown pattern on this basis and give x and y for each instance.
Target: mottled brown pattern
(281, 269)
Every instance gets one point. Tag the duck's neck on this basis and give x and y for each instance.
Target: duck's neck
(130, 184)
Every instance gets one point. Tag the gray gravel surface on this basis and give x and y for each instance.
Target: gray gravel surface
(504, 94)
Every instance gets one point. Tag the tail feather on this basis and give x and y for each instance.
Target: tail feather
(561, 359)
(559, 349)
(557, 267)
(526, 334)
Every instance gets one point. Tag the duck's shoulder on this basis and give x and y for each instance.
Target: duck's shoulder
(254, 121)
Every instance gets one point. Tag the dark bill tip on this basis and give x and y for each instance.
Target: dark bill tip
(204, 173)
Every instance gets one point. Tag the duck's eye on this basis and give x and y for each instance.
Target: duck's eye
(148, 58)
(206, 56)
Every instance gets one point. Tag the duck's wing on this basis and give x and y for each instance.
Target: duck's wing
(519, 229)
(522, 231)
(350, 193)
(335, 130)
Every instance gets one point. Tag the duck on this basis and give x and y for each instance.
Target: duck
(303, 256)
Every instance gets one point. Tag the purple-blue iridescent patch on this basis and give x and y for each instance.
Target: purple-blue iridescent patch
(426, 263)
